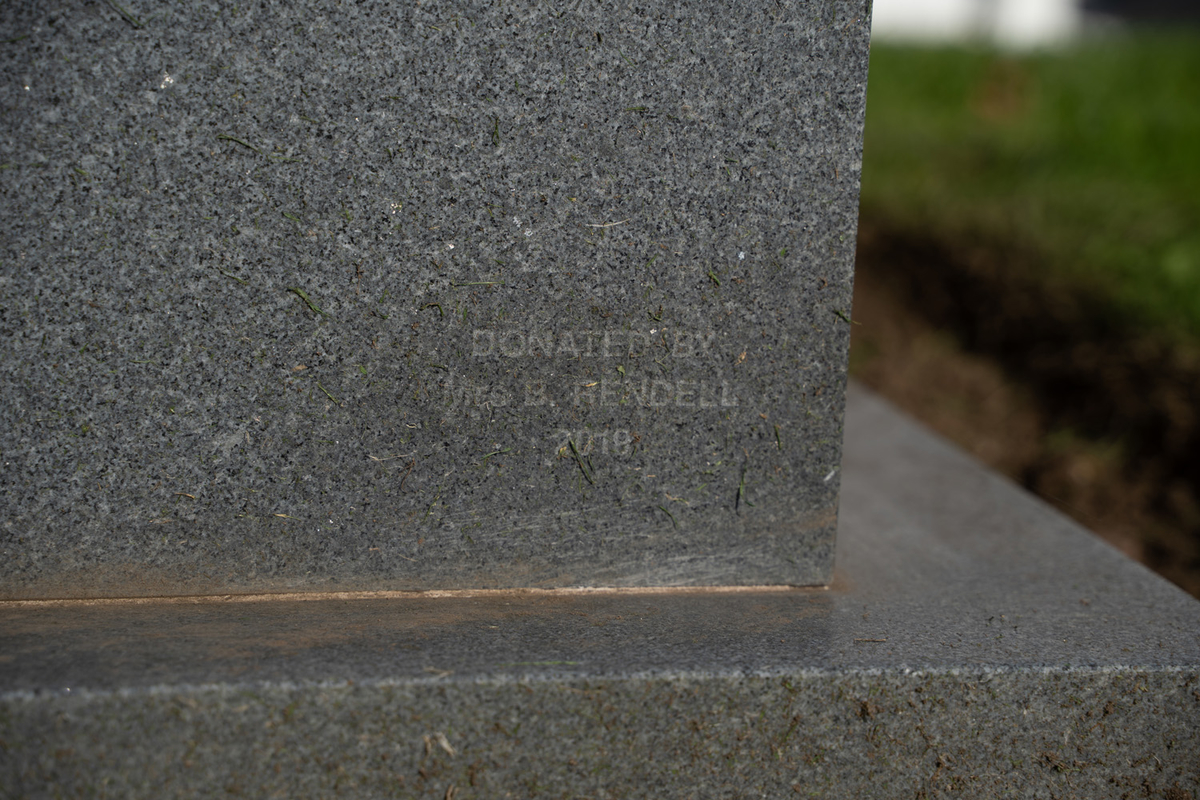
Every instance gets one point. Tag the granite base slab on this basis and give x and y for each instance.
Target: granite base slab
(974, 643)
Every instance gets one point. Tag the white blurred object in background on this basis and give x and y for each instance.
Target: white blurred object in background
(1009, 23)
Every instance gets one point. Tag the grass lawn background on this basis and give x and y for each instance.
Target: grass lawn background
(1088, 156)
(1028, 276)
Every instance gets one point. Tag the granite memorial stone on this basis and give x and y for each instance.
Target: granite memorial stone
(318, 295)
(340, 296)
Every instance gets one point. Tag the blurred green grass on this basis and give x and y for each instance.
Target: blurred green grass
(1088, 157)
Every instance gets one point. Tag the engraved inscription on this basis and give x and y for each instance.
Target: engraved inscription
(605, 343)
(618, 442)
(656, 393)
(631, 394)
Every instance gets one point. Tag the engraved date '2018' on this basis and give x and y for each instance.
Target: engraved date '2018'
(617, 442)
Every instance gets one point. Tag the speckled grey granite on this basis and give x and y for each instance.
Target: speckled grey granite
(325, 295)
(974, 644)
